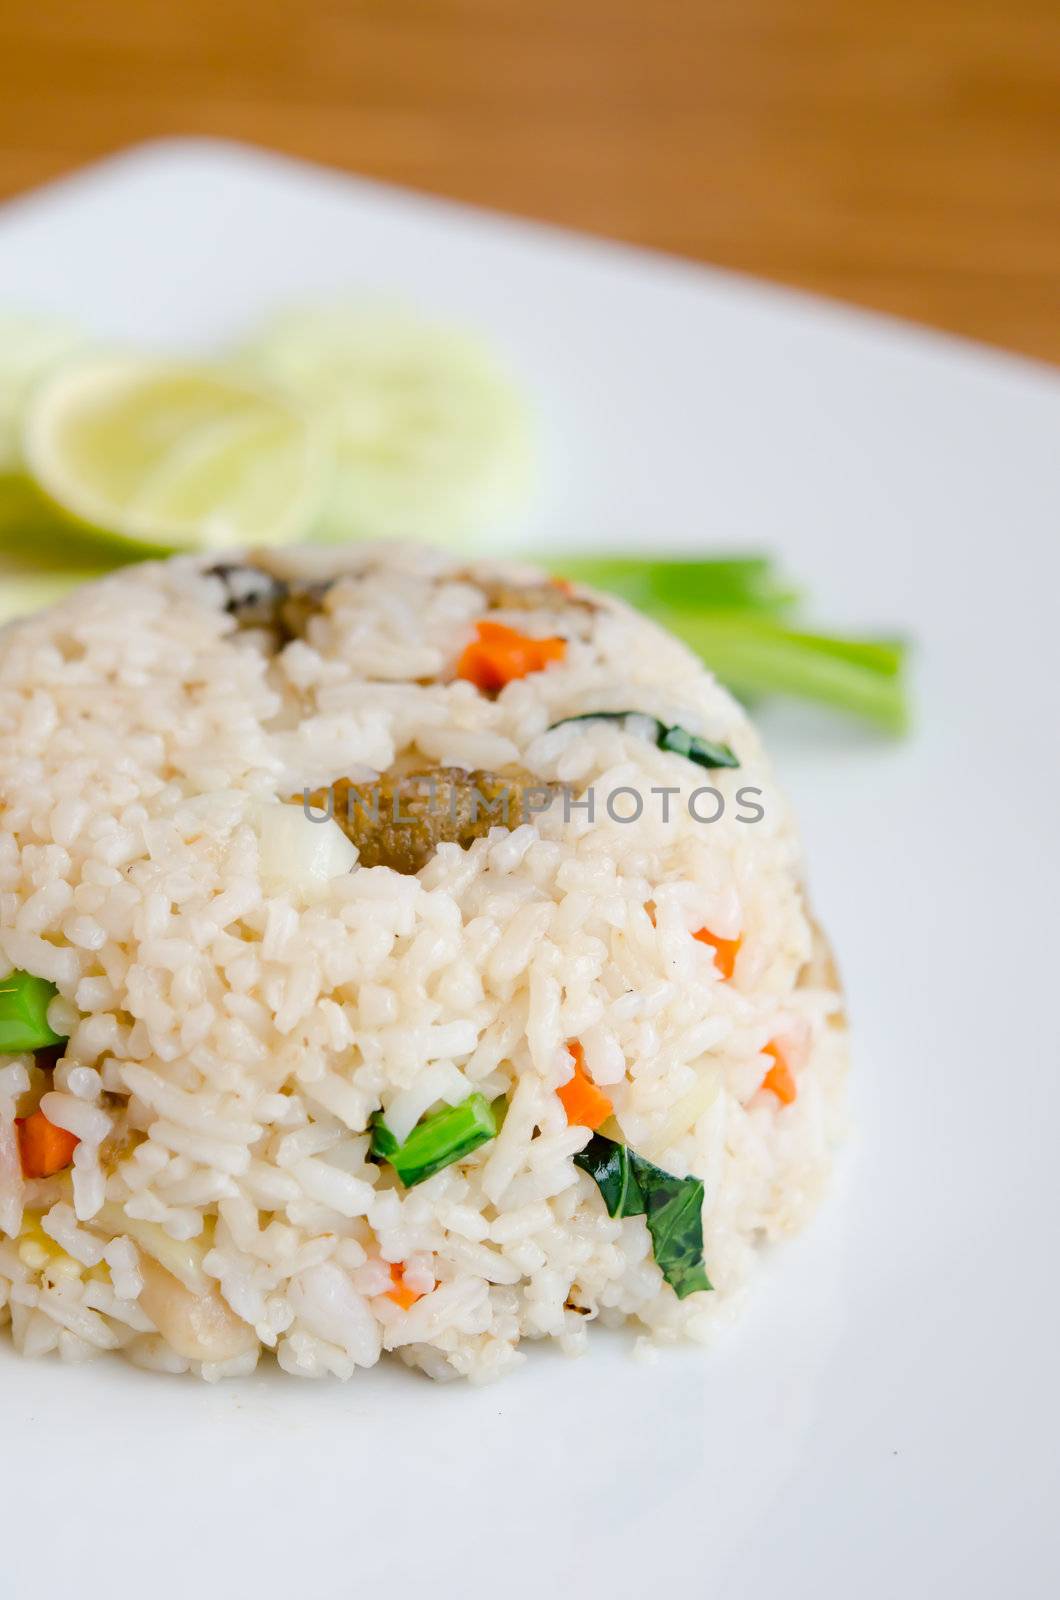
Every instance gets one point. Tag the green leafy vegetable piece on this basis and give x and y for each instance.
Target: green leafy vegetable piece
(608, 1164)
(704, 752)
(24, 1002)
(437, 1141)
(603, 716)
(384, 1146)
(672, 1208)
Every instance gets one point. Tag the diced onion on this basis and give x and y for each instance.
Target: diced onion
(181, 1257)
(10, 1173)
(683, 1116)
(299, 855)
(200, 1327)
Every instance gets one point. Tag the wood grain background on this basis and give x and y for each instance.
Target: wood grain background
(904, 154)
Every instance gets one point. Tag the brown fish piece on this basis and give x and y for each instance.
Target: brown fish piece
(400, 820)
(257, 599)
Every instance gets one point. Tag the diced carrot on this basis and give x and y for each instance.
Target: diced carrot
(725, 950)
(401, 1294)
(564, 585)
(649, 906)
(44, 1148)
(499, 655)
(779, 1078)
(585, 1104)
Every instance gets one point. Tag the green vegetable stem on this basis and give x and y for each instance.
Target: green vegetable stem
(24, 1002)
(734, 612)
(436, 1141)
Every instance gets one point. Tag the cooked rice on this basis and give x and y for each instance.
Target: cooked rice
(234, 1027)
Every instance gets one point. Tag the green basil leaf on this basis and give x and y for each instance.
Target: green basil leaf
(704, 752)
(608, 1164)
(674, 1209)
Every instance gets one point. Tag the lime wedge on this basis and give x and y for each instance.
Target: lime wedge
(29, 347)
(430, 438)
(167, 457)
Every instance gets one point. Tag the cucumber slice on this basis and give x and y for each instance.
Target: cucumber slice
(430, 438)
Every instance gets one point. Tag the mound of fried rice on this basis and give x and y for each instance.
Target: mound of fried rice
(242, 994)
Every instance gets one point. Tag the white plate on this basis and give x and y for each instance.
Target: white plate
(883, 1421)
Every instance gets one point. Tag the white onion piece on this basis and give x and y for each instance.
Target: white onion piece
(181, 1257)
(200, 1327)
(10, 1173)
(683, 1116)
(298, 855)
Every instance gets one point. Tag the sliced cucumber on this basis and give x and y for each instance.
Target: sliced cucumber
(431, 440)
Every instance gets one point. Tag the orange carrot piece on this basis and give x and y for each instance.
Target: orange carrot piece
(779, 1078)
(725, 950)
(401, 1294)
(44, 1148)
(585, 1104)
(650, 908)
(499, 655)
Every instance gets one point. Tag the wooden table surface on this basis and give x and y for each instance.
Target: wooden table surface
(904, 154)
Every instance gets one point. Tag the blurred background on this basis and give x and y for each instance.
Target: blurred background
(903, 155)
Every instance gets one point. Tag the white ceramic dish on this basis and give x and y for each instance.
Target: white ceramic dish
(883, 1422)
